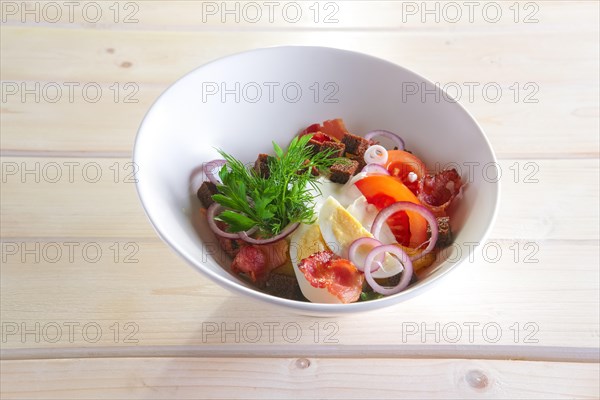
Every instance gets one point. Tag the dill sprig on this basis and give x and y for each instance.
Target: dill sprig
(272, 203)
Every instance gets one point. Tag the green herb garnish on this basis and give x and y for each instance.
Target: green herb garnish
(367, 296)
(272, 203)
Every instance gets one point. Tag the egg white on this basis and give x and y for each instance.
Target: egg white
(307, 240)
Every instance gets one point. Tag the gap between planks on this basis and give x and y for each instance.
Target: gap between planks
(470, 351)
(429, 31)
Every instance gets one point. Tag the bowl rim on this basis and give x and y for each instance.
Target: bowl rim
(309, 308)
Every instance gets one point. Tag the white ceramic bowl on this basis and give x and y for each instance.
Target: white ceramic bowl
(242, 102)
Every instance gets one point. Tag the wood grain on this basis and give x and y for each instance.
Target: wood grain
(260, 378)
(541, 93)
(94, 305)
(168, 303)
(161, 57)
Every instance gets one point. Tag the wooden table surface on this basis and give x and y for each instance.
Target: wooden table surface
(95, 305)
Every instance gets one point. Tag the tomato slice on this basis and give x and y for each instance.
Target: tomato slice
(409, 228)
(326, 270)
(401, 163)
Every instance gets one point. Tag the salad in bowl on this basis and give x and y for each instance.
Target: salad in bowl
(332, 217)
(309, 190)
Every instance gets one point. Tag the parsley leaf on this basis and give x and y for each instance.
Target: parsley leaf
(237, 222)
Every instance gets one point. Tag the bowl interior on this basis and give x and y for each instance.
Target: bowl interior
(243, 102)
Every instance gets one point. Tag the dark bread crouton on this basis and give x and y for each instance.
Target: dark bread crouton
(261, 165)
(314, 171)
(314, 146)
(355, 144)
(337, 147)
(205, 192)
(395, 280)
(359, 159)
(285, 286)
(342, 171)
(444, 232)
(316, 142)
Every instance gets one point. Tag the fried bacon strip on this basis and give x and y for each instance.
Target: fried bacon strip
(341, 278)
(257, 261)
(437, 191)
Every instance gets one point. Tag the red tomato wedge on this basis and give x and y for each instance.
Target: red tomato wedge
(341, 278)
(409, 229)
(400, 163)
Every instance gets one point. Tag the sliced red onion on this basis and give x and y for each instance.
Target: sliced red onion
(407, 206)
(208, 170)
(283, 234)
(376, 154)
(211, 213)
(387, 134)
(353, 256)
(406, 273)
(355, 179)
(251, 231)
(375, 169)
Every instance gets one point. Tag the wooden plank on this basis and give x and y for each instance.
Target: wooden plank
(41, 124)
(515, 294)
(61, 197)
(249, 15)
(515, 129)
(162, 57)
(538, 97)
(260, 378)
(535, 195)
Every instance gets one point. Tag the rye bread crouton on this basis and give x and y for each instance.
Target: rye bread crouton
(359, 159)
(355, 144)
(205, 192)
(313, 170)
(342, 171)
(261, 165)
(395, 280)
(285, 286)
(337, 148)
(314, 146)
(444, 232)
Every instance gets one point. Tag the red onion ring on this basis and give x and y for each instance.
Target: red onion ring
(211, 213)
(352, 256)
(407, 206)
(375, 169)
(376, 154)
(406, 274)
(387, 134)
(283, 234)
(208, 167)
